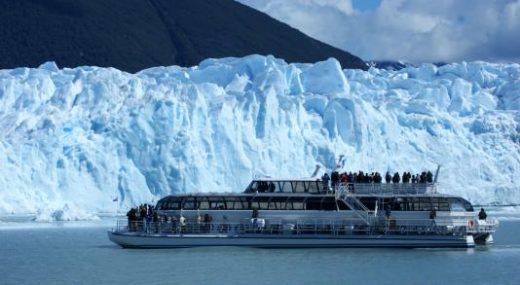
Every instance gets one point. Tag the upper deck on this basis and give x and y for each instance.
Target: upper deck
(316, 186)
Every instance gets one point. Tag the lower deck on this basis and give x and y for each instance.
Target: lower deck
(303, 233)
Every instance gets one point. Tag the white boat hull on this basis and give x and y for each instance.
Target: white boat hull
(139, 240)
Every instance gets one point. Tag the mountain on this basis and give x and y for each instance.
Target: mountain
(132, 35)
(396, 65)
(90, 139)
(389, 64)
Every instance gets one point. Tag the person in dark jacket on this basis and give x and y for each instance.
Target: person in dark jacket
(396, 178)
(482, 214)
(325, 181)
(429, 177)
(388, 177)
(334, 179)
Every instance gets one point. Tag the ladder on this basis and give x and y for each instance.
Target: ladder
(343, 194)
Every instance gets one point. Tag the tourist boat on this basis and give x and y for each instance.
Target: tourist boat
(300, 213)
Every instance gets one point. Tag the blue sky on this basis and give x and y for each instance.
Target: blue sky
(410, 30)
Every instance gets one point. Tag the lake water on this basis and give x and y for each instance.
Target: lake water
(80, 253)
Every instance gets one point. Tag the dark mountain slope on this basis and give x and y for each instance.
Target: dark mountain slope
(135, 34)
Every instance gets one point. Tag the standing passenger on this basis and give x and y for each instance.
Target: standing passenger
(334, 178)
(325, 181)
(388, 177)
(482, 214)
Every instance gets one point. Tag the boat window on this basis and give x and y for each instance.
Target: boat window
(313, 203)
(217, 203)
(274, 205)
(173, 205)
(398, 204)
(296, 206)
(254, 205)
(328, 204)
(277, 203)
(203, 203)
(443, 204)
(459, 204)
(295, 203)
(440, 203)
(414, 204)
(313, 187)
(189, 203)
(369, 202)
(161, 205)
(260, 202)
(236, 203)
(298, 186)
(426, 203)
(284, 186)
(394, 204)
(263, 186)
(252, 187)
(263, 205)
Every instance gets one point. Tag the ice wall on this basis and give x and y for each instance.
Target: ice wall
(98, 139)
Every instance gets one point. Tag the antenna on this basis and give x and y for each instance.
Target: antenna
(437, 174)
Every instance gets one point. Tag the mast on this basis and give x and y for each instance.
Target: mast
(437, 174)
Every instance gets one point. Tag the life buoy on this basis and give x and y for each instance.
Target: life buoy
(223, 228)
(471, 224)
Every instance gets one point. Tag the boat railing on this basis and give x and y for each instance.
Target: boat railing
(488, 225)
(303, 227)
(384, 188)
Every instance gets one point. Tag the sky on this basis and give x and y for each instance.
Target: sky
(415, 31)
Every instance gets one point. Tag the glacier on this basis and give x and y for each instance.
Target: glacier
(76, 141)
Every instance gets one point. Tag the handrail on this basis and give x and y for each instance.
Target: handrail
(359, 208)
(319, 226)
(387, 188)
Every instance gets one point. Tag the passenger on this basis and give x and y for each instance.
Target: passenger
(429, 177)
(405, 177)
(155, 220)
(149, 217)
(262, 186)
(414, 179)
(344, 178)
(433, 213)
(377, 178)
(254, 214)
(132, 216)
(174, 224)
(254, 217)
(272, 188)
(325, 182)
(388, 177)
(422, 178)
(142, 216)
(482, 214)
(361, 177)
(334, 178)
(396, 178)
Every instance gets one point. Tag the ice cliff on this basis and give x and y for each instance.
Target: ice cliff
(99, 139)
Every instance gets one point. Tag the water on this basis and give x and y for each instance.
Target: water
(80, 253)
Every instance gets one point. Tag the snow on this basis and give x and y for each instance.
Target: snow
(86, 140)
